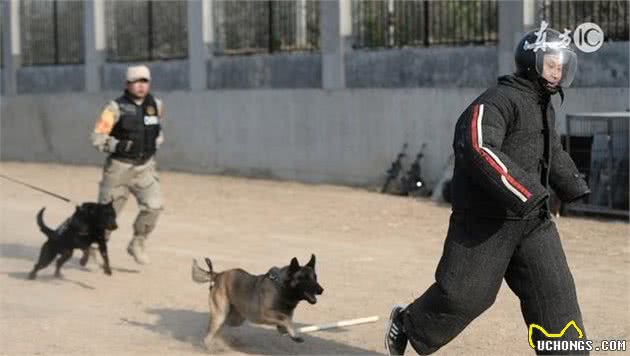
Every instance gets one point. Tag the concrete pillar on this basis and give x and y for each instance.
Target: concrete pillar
(515, 18)
(300, 23)
(531, 18)
(335, 26)
(208, 26)
(11, 50)
(199, 34)
(93, 43)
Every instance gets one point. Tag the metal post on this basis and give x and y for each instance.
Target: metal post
(150, 30)
(55, 32)
(391, 26)
(569, 117)
(611, 174)
(270, 29)
(426, 23)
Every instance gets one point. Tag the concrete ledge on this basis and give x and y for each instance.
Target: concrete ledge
(422, 67)
(50, 79)
(297, 70)
(165, 75)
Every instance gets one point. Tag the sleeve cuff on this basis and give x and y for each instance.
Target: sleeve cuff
(534, 203)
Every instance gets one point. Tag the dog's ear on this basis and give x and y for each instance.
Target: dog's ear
(311, 262)
(209, 263)
(294, 266)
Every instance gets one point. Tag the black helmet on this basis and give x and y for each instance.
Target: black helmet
(546, 54)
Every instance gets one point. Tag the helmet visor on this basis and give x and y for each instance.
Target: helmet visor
(557, 66)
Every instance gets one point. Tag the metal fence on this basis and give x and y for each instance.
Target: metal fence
(51, 32)
(142, 30)
(252, 26)
(611, 16)
(598, 143)
(400, 23)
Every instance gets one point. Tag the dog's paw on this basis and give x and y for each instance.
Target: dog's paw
(297, 339)
(282, 330)
(108, 271)
(32, 276)
(58, 275)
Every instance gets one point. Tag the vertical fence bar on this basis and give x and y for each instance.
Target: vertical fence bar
(270, 26)
(150, 29)
(611, 174)
(55, 32)
(426, 22)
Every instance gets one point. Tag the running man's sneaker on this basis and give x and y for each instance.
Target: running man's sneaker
(395, 337)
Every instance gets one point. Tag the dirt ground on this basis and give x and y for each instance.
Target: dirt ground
(373, 251)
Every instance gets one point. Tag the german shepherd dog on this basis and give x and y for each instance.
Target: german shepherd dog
(271, 298)
(86, 226)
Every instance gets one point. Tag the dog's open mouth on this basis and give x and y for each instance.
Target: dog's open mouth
(310, 298)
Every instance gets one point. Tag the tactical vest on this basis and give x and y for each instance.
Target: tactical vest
(138, 123)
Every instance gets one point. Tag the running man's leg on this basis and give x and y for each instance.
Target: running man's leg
(539, 275)
(476, 254)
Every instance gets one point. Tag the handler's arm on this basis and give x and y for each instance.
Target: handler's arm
(104, 124)
(478, 143)
(160, 108)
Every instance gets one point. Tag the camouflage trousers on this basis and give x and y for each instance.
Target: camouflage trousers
(120, 179)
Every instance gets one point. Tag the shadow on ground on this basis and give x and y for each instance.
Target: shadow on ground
(190, 326)
(31, 253)
(47, 278)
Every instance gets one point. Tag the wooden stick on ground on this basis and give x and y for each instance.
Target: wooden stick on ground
(338, 324)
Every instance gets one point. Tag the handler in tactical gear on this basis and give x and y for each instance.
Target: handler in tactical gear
(507, 156)
(129, 130)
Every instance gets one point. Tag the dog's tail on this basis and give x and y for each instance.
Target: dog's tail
(50, 233)
(200, 275)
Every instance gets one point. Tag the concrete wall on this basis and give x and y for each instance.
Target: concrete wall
(342, 136)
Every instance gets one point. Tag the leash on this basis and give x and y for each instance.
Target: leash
(39, 189)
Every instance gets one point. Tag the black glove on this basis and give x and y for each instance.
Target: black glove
(124, 146)
(579, 196)
(571, 187)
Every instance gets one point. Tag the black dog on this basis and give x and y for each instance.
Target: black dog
(86, 226)
(271, 298)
